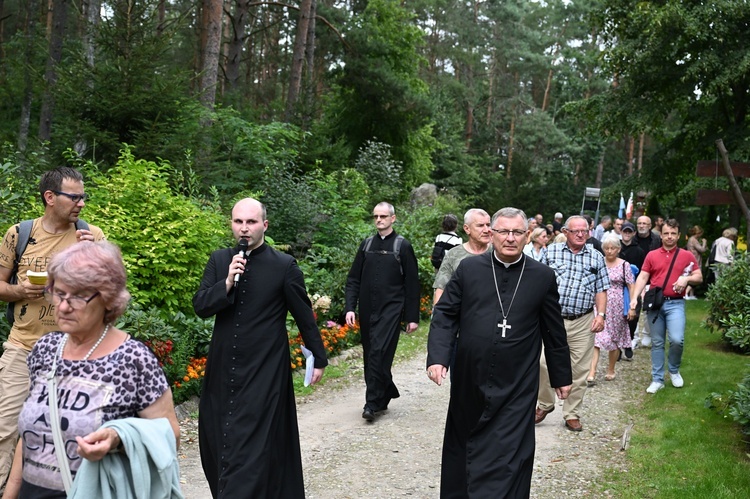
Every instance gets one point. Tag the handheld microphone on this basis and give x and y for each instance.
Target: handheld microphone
(243, 248)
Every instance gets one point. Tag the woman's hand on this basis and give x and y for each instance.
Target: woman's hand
(97, 444)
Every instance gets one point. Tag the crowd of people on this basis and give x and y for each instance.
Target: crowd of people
(602, 272)
(523, 311)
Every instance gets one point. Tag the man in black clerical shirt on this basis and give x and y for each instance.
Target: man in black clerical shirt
(384, 280)
(247, 430)
(503, 306)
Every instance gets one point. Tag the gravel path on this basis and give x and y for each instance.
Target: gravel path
(399, 454)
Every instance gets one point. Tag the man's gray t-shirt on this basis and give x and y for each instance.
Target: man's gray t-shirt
(450, 263)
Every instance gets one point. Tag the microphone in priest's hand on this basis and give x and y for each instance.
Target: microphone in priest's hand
(243, 248)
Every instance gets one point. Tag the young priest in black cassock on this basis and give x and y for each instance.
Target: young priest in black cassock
(500, 308)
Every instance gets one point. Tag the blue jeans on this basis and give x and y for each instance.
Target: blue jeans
(670, 319)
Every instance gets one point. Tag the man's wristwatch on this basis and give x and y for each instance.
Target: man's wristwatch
(602, 315)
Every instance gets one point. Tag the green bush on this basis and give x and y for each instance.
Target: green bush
(165, 237)
(729, 299)
(19, 186)
(735, 404)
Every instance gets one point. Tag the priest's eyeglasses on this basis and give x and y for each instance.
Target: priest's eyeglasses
(506, 232)
(74, 302)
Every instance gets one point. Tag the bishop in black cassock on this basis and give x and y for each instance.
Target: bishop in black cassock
(488, 448)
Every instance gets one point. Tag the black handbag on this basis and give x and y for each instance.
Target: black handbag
(653, 299)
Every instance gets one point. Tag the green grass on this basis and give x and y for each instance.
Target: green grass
(678, 447)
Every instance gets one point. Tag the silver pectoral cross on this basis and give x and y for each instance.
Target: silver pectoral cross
(504, 326)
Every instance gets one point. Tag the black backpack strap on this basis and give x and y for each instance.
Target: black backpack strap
(24, 234)
(674, 258)
(368, 243)
(396, 249)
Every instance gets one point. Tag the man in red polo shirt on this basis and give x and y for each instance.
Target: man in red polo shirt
(670, 318)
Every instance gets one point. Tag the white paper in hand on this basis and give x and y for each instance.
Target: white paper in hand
(309, 364)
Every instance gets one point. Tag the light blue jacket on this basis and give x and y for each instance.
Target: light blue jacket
(148, 468)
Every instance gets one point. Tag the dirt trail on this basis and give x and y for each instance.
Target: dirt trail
(399, 454)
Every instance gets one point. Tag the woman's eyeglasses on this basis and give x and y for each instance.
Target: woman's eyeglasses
(74, 302)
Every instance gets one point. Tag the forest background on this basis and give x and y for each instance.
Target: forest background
(175, 109)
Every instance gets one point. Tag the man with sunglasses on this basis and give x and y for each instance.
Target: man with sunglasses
(384, 280)
(63, 197)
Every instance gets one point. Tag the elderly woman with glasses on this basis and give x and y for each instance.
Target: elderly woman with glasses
(101, 375)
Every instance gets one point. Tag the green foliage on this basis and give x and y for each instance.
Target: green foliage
(419, 225)
(729, 297)
(233, 154)
(293, 207)
(344, 207)
(375, 162)
(735, 403)
(165, 238)
(678, 66)
(19, 185)
(379, 94)
(132, 93)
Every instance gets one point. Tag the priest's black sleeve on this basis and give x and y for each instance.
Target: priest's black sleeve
(354, 280)
(555, 339)
(211, 297)
(446, 319)
(298, 303)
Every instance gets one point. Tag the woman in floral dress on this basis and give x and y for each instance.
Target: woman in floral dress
(616, 333)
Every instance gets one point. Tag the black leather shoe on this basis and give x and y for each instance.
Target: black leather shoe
(368, 414)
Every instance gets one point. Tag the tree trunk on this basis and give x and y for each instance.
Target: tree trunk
(161, 13)
(631, 154)
(236, 42)
(548, 88)
(599, 171)
(91, 12)
(640, 151)
(298, 58)
(28, 82)
(2, 30)
(512, 138)
(226, 34)
(309, 87)
(212, 13)
(545, 101)
(57, 36)
(490, 90)
(734, 186)
(511, 141)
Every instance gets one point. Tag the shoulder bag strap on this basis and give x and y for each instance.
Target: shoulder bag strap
(57, 437)
(663, 286)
